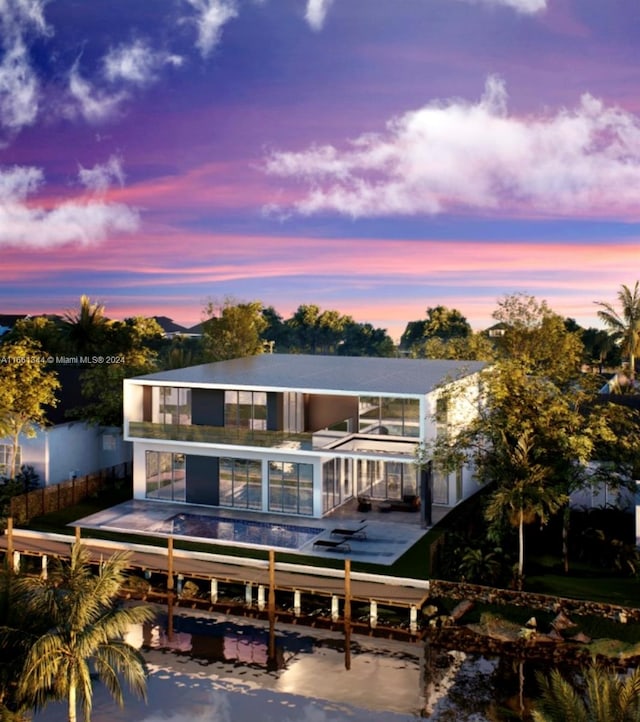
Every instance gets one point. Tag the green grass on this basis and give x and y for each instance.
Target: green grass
(595, 586)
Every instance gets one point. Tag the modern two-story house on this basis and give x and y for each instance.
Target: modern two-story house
(296, 434)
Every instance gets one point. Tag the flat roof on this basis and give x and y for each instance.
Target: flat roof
(310, 373)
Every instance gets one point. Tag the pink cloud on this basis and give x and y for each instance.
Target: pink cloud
(456, 155)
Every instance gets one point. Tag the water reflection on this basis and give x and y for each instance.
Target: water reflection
(223, 669)
(384, 676)
(227, 641)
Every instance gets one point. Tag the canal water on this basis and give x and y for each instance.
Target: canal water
(226, 669)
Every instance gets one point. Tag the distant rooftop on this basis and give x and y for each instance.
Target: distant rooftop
(8, 321)
(305, 373)
(168, 325)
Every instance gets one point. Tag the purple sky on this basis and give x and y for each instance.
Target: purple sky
(371, 156)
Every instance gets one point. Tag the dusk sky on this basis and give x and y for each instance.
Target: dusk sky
(376, 157)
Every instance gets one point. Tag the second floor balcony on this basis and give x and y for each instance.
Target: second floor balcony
(232, 436)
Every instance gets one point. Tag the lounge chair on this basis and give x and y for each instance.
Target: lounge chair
(350, 533)
(339, 546)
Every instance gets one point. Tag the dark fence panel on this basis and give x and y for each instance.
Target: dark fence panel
(65, 494)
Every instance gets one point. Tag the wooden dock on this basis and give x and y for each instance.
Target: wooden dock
(339, 587)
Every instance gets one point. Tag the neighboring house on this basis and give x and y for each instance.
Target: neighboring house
(8, 321)
(296, 434)
(498, 330)
(72, 448)
(63, 449)
(172, 330)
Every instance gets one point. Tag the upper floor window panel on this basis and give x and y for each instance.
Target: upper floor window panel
(174, 406)
(245, 410)
(392, 416)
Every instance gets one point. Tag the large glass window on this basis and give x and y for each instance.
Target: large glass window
(386, 480)
(245, 410)
(386, 415)
(6, 456)
(241, 483)
(174, 406)
(369, 413)
(165, 476)
(290, 487)
(330, 485)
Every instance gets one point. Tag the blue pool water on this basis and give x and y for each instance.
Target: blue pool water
(241, 531)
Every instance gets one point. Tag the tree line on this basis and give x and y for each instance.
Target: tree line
(543, 430)
(86, 349)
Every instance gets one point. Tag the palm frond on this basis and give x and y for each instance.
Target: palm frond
(559, 700)
(85, 628)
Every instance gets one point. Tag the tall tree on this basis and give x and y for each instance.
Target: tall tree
(85, 328)
(128, 350)
(27, 389)
(600, 348)
(362, 339)
(625, 322)
(476, 347)
(316, 331)
(537, 428)
(526, 496)
(440, 323)
(538, 339)
(45, 330)
(86, 633)
(232, 329)
(276, 332)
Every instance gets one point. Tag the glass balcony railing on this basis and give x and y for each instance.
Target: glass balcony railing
(220, 435)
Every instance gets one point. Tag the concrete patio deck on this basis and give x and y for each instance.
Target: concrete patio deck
(386, 536)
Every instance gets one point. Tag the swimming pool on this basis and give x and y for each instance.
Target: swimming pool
(240, 531)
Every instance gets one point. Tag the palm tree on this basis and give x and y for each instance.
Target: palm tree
(625, 324)
(16, 633)
(479, 566)
(523, 495)
(86, 633)
(85, 328)
(601, 697)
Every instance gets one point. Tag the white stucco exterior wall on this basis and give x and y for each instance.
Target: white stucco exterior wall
(75, 447)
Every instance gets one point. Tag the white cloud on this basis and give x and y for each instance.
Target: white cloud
(524, 6)
(94, 105)
(211, 16)
(102, 176)
(18, 182)
(19, 88)
(317, 12)
(22, 14)
(80, 220)
(455, 154)
(136, 63)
